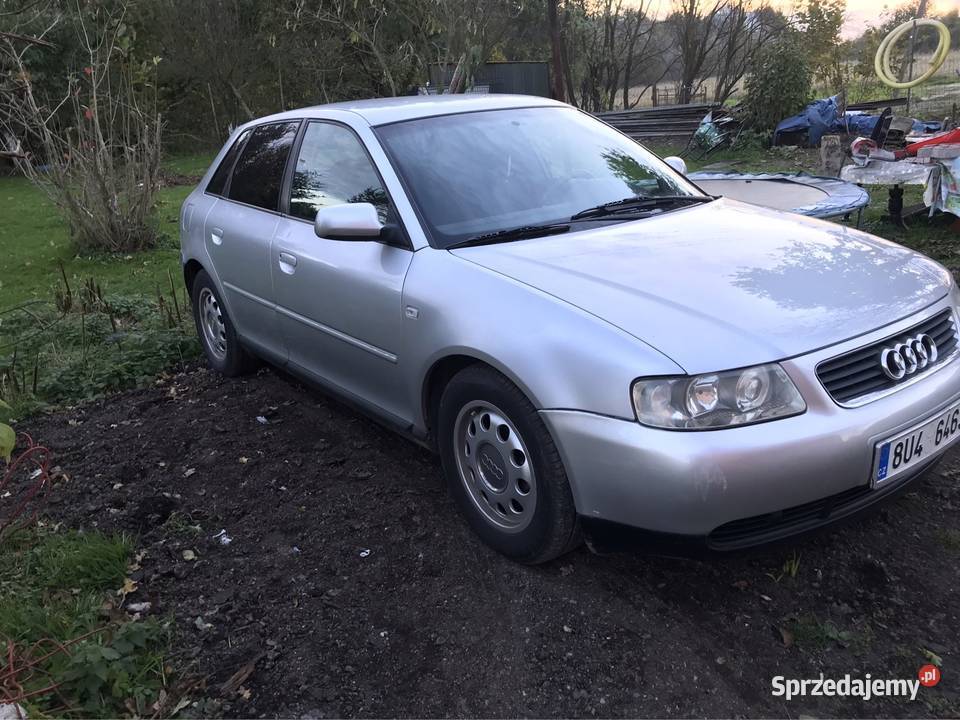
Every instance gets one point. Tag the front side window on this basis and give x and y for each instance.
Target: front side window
(218, 183)
(258, 174)
(333, 168)
(482, 172)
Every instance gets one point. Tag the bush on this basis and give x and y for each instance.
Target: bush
(780, 84)
(94, 147)
(86, 344)
(65, 650)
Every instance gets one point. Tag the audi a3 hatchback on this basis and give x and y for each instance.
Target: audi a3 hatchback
(591, 343)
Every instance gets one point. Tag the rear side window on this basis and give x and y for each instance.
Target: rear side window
(258, 174)
(218, 183)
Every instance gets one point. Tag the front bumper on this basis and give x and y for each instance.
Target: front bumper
(694, 483)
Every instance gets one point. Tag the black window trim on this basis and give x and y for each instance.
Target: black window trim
(242, 142)
(287, 184)
(286, 168)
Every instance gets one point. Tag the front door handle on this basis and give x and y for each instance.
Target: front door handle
(288, 263)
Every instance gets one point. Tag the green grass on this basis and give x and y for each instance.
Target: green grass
(56, 588)
(196, 164)
(34, 239)
(53, 584)
(948, 539)
(52, 353)
(812, 633)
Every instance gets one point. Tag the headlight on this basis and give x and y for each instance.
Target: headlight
(724, 399)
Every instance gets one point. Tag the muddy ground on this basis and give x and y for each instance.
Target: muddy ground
(356, 588)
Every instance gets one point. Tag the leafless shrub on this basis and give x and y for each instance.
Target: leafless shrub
(95, 150)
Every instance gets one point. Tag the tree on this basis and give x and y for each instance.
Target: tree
(746, 26)
(779, 84)
(609, 40)
(820, 22)
(93, 148)
(557, 72)
(696, 26)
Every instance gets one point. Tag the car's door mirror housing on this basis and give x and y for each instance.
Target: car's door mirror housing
(350, 221)
(676, 163)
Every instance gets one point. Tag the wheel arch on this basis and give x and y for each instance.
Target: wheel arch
(442, 370)
(191, 269)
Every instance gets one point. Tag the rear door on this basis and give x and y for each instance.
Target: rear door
(240, 227)
(339, 302)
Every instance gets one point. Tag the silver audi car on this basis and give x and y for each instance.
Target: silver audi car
(596, 348)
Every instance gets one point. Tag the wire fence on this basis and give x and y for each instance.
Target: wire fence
(939, 97)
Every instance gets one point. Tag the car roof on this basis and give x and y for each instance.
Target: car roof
(381, 111)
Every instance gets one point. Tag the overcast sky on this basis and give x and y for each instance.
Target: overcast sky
(868, 12)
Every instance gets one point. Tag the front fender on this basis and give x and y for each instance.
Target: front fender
(559, 355)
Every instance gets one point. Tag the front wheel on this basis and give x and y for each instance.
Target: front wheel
(503, 468)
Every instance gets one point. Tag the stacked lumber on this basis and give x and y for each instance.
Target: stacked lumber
(665, 121)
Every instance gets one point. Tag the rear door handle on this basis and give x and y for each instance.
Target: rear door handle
(288, 263)
(216, 236)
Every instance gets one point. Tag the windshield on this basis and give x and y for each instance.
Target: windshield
(477, 173)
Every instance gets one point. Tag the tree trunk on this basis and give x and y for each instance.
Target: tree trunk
(556, 59)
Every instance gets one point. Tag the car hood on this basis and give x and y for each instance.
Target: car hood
(726, 284)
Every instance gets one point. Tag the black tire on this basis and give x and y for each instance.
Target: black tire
(234, 360)
(553, 528)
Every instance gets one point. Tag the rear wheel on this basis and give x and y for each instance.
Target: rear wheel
(217, 334)
(503, 468)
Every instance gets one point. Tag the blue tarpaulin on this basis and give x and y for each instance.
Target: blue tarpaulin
(818, 118)
(857, 123)
(823, 116)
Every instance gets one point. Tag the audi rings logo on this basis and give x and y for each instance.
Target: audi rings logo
(908, 357)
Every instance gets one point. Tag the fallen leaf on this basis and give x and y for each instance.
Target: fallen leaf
(235, 681)
(244, 693)
(787, 637)
(202, 624)
(189, 472)
(189, 555)
(8, 441)
(244, 460)
(129, 586)
(932, 657)
(741, 584)
(184, 702)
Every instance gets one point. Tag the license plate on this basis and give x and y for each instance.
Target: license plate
(920, 443)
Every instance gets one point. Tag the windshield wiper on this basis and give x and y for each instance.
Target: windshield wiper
(518, 233)
(639, 202)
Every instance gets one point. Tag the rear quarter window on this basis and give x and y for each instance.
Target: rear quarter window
(258, 174)
(218, 183)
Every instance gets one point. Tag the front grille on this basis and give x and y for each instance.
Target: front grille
(852, 376)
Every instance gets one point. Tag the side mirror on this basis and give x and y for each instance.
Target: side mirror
(348, 222)
(677, 164)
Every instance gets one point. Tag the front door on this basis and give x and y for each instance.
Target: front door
(339, 302)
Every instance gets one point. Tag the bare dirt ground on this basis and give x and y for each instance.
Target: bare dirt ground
(351, 586)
